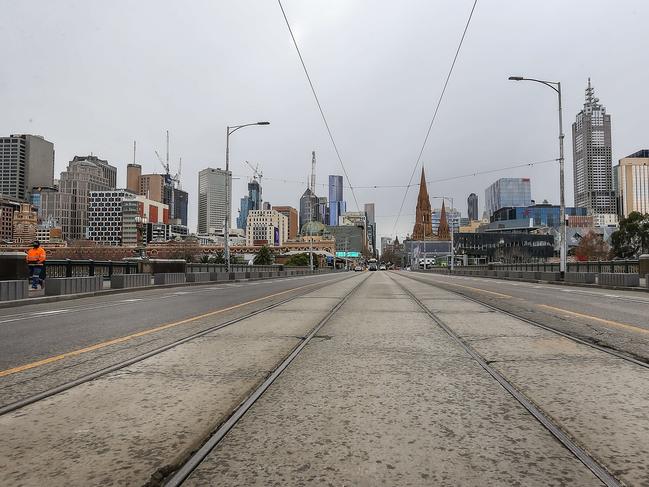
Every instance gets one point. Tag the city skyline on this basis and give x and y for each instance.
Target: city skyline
(124, 107)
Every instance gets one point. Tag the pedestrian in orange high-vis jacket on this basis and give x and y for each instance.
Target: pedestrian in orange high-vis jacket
(36, 257)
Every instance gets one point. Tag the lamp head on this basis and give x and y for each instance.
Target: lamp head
(516, 78)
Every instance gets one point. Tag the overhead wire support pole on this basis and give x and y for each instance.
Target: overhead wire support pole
(563, 253)
(228, 210)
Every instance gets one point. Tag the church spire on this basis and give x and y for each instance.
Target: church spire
(423, 224)
(443, 232)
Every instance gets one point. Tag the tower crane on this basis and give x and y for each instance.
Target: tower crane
(175, 179)
(257, 174)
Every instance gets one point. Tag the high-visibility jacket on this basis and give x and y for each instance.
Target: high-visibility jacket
(36, 255)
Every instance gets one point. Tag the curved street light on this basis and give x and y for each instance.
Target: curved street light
(226, 231)
(556, 86)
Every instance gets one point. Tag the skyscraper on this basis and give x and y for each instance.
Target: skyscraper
(423, 225)
(591, 145)
(472, 203)
(248, 203)
(69, 205)
(290, 213)
(336, 204)
(308, 207)
(507, 192)
(26, 161)
(632, 183)
(212, 200)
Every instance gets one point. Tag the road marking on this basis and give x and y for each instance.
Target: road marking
(132, 300)
(52, 312)
(97, 346)
(480, 290)
(617, 324)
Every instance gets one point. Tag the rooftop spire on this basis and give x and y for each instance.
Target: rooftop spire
(591, 100)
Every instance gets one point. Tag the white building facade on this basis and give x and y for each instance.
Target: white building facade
(213, 200)
(266, 227)
(632, 183)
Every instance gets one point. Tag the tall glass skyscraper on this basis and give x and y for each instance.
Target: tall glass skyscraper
(507, 192)
(248, 203)
(336, 204)
(592, 155)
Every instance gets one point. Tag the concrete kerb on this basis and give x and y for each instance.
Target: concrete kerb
(67, 297)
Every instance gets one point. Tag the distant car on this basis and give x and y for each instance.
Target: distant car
(382, 267)
(358, 268)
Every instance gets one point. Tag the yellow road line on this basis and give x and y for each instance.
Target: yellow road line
(617, 324)
(97, 346)
(500, 295)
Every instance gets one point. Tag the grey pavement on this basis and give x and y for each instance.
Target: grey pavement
(40, 332)
(612, 318)
(385, 397)
(125, 427)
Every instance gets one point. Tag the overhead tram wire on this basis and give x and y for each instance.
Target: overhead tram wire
(428, 181)
(432, 121)
(317, 100)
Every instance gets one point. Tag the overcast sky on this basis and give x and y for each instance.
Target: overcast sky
(92, 76)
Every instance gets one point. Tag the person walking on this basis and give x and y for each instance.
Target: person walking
(36, 257)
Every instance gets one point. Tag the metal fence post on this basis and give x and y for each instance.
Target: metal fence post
(68, 268)
(91, 267)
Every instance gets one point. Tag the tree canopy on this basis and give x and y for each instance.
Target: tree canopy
(632, 238)
(264, 257)
(592, 247)
(298, 260)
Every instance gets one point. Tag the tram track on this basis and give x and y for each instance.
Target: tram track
(636, 360)
(565, 439)
(14, 406)
(183, 471)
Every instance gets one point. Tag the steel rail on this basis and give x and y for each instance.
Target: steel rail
(601, 348)
(138, 358)
(197, 457)
(595, 467)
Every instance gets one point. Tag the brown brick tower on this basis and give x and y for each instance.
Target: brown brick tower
(443, 232)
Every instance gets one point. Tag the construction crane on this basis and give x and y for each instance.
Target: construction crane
(175, 179)
(257, 174)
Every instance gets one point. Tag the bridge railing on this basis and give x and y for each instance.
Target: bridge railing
(80, 268)
(201, 267)
(614, 266)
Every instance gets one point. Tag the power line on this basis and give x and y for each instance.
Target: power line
(432, 121)
(324, 119)
(428, 181)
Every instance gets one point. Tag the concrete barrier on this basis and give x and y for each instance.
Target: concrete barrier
(531, 275)
(618, 279)
(549, 276)
(580, 277)
(197, 277)
(515, 274)
(219, 276)
(11, 290)
(502, 273)
(124, 281)
(73, 285)
(169, 278)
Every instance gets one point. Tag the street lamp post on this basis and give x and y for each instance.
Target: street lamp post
(228, 210)
(556, 86)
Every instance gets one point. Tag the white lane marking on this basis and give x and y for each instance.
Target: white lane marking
(133, 300)
(612, 296)
(51, 312)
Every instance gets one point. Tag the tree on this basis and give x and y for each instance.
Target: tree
(298, 260)
(632, 238)
(264, 257)
(592, 247)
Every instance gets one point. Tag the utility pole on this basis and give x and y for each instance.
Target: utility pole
(563, 249)
(228, 211)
